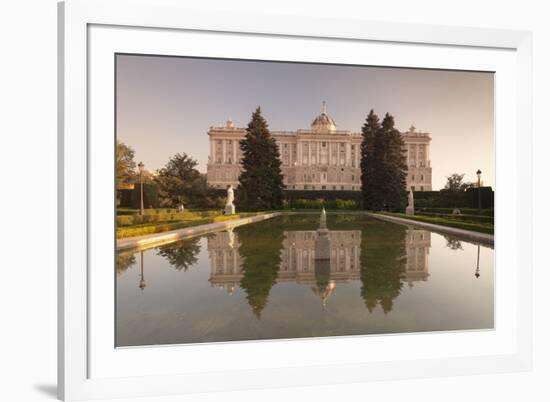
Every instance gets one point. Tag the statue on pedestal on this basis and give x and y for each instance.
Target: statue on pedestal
(229, 206)
(322, 243)
(410, 207)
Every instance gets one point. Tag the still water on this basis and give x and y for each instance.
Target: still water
(262, 281)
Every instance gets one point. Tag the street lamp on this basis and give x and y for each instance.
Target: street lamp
(478, 173)
(142, 275)
(477, 266)
(141, 166)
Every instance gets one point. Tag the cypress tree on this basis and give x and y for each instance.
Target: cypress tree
(261, 180)
(395, 166)
(370, 187)
(383, 164)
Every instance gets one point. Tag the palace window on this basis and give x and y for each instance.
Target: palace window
(323, 187)
(422, 177)
(421, 188)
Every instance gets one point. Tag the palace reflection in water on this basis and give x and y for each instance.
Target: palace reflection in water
(298, 263)
(290, 277)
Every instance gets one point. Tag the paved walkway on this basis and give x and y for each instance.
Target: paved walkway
(156, 239)
(466, 234)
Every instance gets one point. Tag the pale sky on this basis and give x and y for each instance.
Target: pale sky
(165, 105)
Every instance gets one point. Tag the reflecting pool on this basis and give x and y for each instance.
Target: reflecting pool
(263, 281)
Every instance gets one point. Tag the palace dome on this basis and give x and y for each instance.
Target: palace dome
(323, 122)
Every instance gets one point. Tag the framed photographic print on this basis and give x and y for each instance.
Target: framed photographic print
(265, 201)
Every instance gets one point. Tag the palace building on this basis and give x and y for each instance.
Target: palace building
(318, 158)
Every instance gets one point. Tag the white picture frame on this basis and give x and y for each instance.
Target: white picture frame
(92, 31)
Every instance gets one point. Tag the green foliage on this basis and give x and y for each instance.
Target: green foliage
(455, 183)
(467, 211)
(382, 264)
(129, 220)
(322, 203)
(125, 164)
(328, 195)
(476, 227)
(194, 219)
(132, 198)
(383, 164)
(461, 217)
(183, 254)
(124, 261)
(260, 269)
(180, 182)
(261, 180)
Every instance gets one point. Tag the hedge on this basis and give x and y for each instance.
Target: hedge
(468, 211)
(131, 198)
(454, 199)
(150, 228)
(132, 220)
(322, 203)
(476, 227)
(462, 217)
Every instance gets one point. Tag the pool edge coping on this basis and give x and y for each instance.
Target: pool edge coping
(468, 234)
(157, 239)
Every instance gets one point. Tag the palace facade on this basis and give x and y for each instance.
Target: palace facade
(318, 158)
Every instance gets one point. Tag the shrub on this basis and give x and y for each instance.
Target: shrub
(163, 216)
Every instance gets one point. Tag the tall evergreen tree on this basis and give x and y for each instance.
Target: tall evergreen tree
(383, 164)
(395, 166)
(261, 180)
(369, 186)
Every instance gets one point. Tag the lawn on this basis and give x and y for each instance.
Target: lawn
(476, 226)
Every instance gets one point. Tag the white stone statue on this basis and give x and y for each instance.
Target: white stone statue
(410, 207)
(323, 220)
(229, 207)
(230, 195)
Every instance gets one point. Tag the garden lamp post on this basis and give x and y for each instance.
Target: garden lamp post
(141, 166)
(477, 267)
(478, 173)
(142, 275)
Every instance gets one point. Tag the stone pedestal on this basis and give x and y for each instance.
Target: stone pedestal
(409, 210)
(230, 209)
(322, 245)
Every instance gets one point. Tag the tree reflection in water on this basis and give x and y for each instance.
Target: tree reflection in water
(383, 262)
(260, 262)
(453, 243)
(124, 261)
(181, 255)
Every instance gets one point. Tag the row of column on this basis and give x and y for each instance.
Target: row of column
(225, 144)
(329, 147)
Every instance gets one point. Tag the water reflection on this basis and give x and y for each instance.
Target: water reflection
(289, 278)
(183, 255)
(294, 260)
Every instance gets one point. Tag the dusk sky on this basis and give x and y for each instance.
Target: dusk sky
(165, 105)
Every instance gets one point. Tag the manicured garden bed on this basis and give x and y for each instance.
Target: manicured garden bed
(474, 226)
(164, 226)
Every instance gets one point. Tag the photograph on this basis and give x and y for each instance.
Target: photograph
(265, 200)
